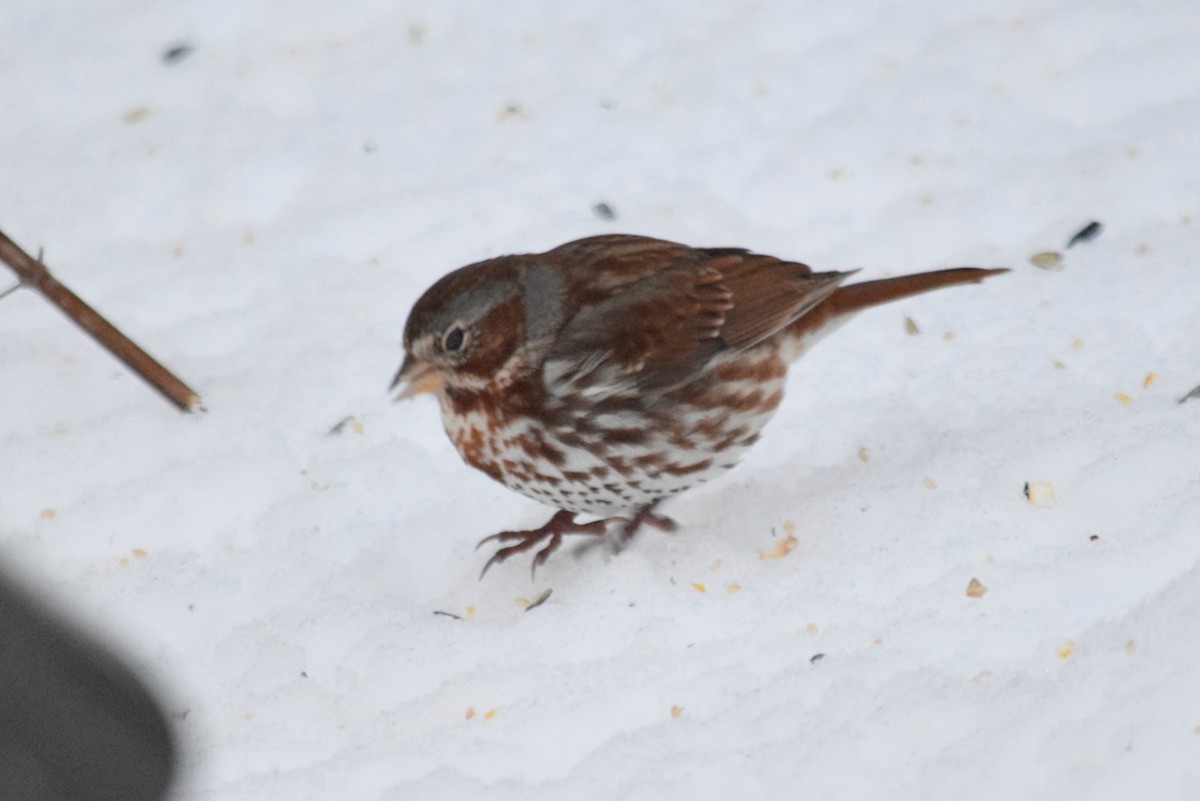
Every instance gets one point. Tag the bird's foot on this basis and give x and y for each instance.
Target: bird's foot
(646, 516)
(552, 533)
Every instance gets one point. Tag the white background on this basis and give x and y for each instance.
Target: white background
(262, 213)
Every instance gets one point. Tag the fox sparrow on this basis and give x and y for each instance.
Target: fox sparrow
(615, 371)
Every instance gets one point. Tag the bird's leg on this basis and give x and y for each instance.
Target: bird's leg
(562, 523)
(646, 515)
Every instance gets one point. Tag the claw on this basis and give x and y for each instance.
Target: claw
(544, 554)
(562, 523)
(647, 516)
(556, 527)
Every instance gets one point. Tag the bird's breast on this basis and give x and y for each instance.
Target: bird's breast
(614, 457)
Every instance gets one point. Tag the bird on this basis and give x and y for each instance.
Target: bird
(614, 372)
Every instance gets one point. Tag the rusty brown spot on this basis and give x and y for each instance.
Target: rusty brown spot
(650, 460)
(708, 427)
(741, 369)
(681, 470)
(626, 436)
(621, 465)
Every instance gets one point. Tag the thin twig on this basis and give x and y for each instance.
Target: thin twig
(33, 273)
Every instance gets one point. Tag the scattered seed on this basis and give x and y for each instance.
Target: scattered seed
(911, 327)
(734, 587)
(1122, 398)
(470, 712)
(1047, 260)
(1130, 646)
(1094, 537)
(975, 589)
(350, 423)
(676, 711)
(698, 587)
(604, 211)
(781, 548)
(864, 455)
(48, 514)
(1066, 649)
(1195, 393)
(1040, 493)
(929, 483)
(811, 628)
(173, 55)
(1086, 234)
(1149, 379)
(491, 713)
(541, 599)
(511, 111)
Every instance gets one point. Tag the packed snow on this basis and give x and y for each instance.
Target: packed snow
(257, 193)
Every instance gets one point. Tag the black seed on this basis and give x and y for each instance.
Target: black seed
(173, 55)
(604, 211)
(1086, 234)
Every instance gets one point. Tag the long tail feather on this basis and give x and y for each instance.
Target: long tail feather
(854, 297)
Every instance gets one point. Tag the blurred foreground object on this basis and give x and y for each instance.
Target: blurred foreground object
(33, 273)
(75, 724)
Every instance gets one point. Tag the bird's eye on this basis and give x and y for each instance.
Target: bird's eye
(453, 340)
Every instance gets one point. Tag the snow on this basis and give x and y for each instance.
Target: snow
(261, 214)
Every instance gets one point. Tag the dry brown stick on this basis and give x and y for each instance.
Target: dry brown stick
(33, 273)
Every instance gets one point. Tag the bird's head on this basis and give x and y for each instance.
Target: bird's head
(464, 329)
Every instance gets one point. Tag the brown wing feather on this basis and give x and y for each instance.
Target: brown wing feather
(652, 314)
(768, 294)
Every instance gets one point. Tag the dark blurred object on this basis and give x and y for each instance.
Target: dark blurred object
(1086, 234)
(604, 211)
(75, 723)
(177, 53)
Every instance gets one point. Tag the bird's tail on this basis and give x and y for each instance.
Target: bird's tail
(852, 298)
(845, 300)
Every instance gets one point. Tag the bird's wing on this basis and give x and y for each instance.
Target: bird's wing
(651, 315)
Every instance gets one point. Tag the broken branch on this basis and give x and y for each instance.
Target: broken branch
(33, 273)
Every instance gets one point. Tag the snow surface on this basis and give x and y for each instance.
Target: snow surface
(261, 213)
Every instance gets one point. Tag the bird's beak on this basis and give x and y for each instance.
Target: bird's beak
(415, 377)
